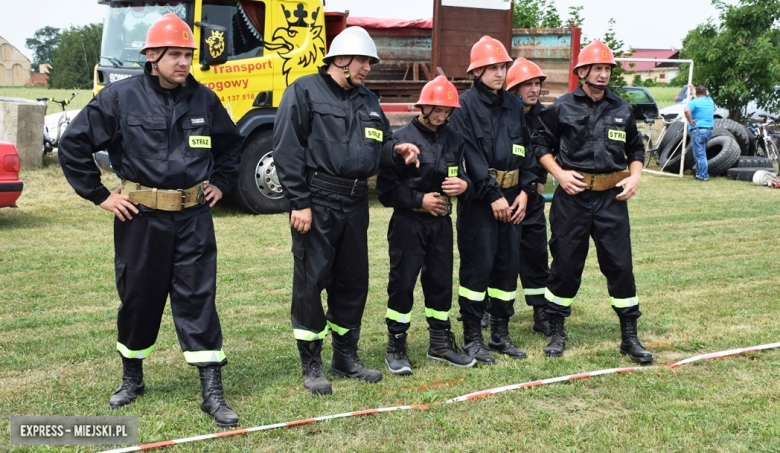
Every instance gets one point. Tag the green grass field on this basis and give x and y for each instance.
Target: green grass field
(82, 98)
(664, 95)
(707, 269)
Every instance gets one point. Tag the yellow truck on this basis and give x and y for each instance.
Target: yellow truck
(249, 52)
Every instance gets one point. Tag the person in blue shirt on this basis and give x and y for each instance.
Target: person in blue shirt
(699, 113)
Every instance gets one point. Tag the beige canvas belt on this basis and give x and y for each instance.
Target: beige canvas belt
(599, 183)
(164, 199)
(505, 179)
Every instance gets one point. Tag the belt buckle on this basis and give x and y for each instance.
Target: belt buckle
(183, 197)
(354, 186)
(448, 209)
(201, 196)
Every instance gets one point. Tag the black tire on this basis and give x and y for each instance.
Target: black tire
(673, 134)
(722, 152)
(753, 161)
(738, 131)
(718, 131)
(258, 190)
(742, 174)
(671, 144)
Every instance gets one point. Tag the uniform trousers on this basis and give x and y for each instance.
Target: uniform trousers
(574, 219)
(417, 242)
(161, 254)
(489, 262)
(332, 256)
(534, 267)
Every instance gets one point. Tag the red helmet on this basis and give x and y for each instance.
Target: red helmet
(439, 91)
(488, 51)
(169, 31)
(521, 71)
(595, 53)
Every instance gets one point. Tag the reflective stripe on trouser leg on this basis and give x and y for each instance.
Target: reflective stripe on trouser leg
(305, 335)
(319, 266)
(488, 258)
(205, 357)
(570, 228)
(534, 269)
(128, 354)
(413, 245)
(161, 255)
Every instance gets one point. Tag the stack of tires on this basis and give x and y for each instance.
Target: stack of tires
(730, 151)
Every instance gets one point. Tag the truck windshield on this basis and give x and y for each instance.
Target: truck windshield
(125, 27)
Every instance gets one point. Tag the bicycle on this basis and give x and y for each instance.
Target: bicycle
(50, 141)
(767, 142)
(651, 146)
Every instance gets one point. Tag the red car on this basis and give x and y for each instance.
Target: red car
(10, 185)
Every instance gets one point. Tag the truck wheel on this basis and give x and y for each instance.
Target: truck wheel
(258, 190)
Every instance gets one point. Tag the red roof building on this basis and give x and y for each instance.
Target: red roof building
(659, 71)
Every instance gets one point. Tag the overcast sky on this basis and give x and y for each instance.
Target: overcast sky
(639, 24)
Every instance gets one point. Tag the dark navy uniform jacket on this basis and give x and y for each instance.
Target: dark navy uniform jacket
(496, 136)
(323, 127)
(588, 136)
(441, 156)
(168, 139)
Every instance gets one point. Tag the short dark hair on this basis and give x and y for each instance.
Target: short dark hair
(701, 90)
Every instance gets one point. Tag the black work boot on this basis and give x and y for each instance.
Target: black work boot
(557, 340)
(500, 341)
(311, 364)
(485, 320)
(132, 383)
(631, 345)
(346, 361)
(442, 348)
(473, 344)
(541, 324)
(214, 403)
(396, 360)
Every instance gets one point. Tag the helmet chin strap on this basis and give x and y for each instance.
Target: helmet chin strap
(594, 85)
(346, 71)
(426, 115)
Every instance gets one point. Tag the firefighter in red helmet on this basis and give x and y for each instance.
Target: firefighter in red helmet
(420, 231)
(177, 151)
(498, 162)
(587, 139)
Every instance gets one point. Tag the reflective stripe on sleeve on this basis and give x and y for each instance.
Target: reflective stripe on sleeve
(496, 293)
(471, 295)
(562, 301)
(130, 354)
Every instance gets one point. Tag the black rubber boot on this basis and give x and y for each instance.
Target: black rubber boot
(311, 364)
(473, 344)
(132, 383)
(213, 403)
(396, 360)
(500, 341)
(631, 345)
(557, 341)
(443, 348)
(541, 324)
(346, 361)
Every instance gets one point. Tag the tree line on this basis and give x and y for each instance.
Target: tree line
(72, 54)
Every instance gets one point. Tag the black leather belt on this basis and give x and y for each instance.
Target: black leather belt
(341, 186)
(694, 128)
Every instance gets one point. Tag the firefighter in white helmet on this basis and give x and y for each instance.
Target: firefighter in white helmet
(330, 135)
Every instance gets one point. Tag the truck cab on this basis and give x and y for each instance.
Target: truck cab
(249, 51)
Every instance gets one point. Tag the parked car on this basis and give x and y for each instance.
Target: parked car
(643, 102)
(10, 185)
(673, 111)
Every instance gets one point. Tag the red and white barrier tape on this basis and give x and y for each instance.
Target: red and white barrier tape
(468, 397)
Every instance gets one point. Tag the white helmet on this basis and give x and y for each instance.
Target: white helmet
(350, 42)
